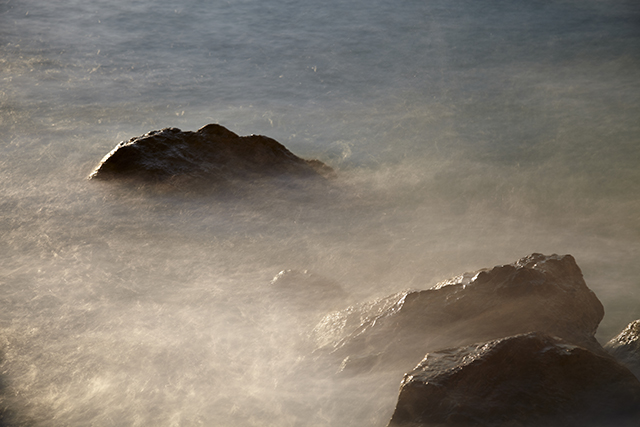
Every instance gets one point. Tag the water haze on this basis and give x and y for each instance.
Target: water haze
(464, 134)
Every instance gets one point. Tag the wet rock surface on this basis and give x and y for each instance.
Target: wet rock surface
(213, 154)
(626, 347)
(526, 380)
(537, 293)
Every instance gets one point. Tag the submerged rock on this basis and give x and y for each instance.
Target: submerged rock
(536, 293)
(213, 154)
(307, 289)
(526, 380)
(626, 347)
(299, 298)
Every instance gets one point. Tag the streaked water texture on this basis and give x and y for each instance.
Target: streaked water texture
(465, 134)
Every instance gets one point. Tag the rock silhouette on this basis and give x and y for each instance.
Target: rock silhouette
(537, 293)
(525, 380)
(213, 154)
(626, 347)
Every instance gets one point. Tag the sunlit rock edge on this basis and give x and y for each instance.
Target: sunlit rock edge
(625, 347)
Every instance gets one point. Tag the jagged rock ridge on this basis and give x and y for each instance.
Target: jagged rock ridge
(626, 347)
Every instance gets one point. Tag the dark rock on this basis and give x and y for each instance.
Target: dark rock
(213, 154)
(536, 293)
(526, 380)
(626, 347)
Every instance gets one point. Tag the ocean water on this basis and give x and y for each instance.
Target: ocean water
(465, 134)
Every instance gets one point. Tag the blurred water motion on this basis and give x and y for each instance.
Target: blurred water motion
(464, 135)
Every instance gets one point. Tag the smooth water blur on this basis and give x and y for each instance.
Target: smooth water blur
(465, 134)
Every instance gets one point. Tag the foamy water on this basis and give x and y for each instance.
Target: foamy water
(465, 135)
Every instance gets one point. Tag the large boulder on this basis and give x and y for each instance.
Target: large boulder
(536, 293)
(526, 380)
(213, 154)
(626, 347)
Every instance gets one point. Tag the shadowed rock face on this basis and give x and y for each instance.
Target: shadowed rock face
(626, 347)
(213, 154)
(536, 293)
(526, 380)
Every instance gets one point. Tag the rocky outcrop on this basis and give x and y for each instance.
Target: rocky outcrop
(213, 154)
(536, 293)
(526, 380)
(510, 346)
(626, 347)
